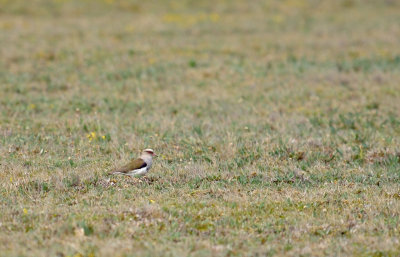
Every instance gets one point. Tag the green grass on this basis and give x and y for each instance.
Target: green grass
(277, 126)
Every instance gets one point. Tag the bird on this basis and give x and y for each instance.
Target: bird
(137, 167)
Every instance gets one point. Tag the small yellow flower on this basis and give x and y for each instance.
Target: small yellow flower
(214, 17)
(103, 137)
(278, 19)
(25, 211)
(11, 179)
(152, 201)
(91, 136)
(129, 28)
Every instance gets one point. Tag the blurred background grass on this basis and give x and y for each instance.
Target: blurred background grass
(275, 121)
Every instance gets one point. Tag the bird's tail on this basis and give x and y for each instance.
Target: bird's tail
(115, 172)
(112, 172)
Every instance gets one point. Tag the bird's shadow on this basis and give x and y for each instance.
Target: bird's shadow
(143, 180)
(120, 180)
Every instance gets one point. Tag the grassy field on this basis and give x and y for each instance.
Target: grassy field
(277, 125)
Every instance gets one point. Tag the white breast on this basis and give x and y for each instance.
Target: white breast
(138, 172)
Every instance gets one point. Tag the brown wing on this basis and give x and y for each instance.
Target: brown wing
(132, 165)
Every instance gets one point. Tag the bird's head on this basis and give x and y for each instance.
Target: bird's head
(149, 152)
